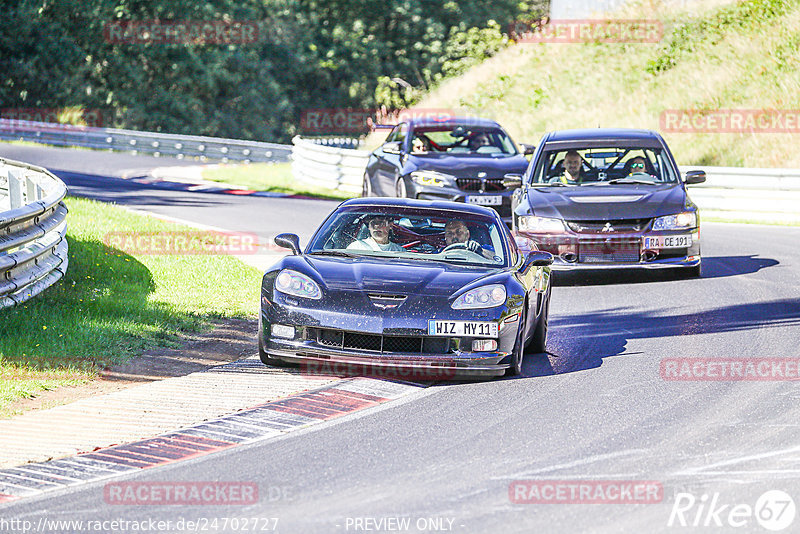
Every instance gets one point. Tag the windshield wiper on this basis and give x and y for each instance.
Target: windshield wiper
(630, 181)
(332, 253)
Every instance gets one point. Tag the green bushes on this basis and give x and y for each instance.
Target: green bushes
(309, 54)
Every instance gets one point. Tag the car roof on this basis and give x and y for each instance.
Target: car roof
(599, 137)
(444, 205)
(452, 121)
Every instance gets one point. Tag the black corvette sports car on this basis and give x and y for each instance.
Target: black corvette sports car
(407, 284)
(609, 198)
(459, 159)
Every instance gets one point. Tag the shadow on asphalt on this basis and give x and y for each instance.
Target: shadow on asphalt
(615, 327)
(713, 267)
(722, 266)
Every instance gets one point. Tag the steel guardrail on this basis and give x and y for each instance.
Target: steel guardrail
(33, 226)
(731, 193)
(153, 143)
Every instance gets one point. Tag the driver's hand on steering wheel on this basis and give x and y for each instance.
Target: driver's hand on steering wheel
(474, 246)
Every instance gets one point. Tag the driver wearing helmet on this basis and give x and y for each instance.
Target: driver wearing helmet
(457, 233)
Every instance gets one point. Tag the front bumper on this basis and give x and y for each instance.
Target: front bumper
(317, 360)
(362, 341)
(616, 251)
(456, 194)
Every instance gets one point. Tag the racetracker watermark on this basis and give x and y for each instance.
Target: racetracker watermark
(785, 121)
(187, 242)
(195, 32)
(585, 492)
(66, 117)
(180, 493)
(774, 510)
(442, 370)
(356, 121)
(730, 369)
(589, 31)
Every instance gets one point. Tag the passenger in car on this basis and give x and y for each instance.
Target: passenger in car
(378, 239)
(636, 165)
(478, 140)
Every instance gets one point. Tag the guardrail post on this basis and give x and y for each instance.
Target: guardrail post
(32, 196)
(15, 188)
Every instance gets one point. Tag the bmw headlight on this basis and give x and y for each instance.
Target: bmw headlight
(481, 297)
(543, 225)
(687, 219)
(297, 284)
(431, 178)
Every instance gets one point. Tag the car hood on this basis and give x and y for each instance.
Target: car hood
(470, 166)
(587, 203)
(394, 277)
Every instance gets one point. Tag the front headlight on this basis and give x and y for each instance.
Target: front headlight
(687, 219)
(544, 225)
(431, 178)
(297, 284)
(481, 297)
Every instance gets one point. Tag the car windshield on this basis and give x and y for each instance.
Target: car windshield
(604, 166)
(412, 233)
(461, 139)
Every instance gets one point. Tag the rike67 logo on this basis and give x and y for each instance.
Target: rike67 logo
(774, 510)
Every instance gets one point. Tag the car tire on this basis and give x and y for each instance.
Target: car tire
(518, 354)
(400, 188)
(366, 187)
(266, 359)
(539, 339)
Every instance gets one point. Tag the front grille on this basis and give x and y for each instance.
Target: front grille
(608, 227)
(362, 342)
(378, 343)
(329, 338)
(619, 252)
(478, 184)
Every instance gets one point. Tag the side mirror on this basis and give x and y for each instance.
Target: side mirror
(695, 177)
(538, 258)
(512, 181)
(290, 241)
(392, 147)
(528, 149)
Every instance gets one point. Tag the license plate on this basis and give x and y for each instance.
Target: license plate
(667, 241)
(485, 200)
(462, 328)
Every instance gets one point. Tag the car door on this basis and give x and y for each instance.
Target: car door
(388, 164)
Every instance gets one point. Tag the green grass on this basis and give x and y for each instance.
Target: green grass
(274, 177)
(112, 305)
(721, 55)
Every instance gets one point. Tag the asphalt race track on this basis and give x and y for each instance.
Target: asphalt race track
(595, 408)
